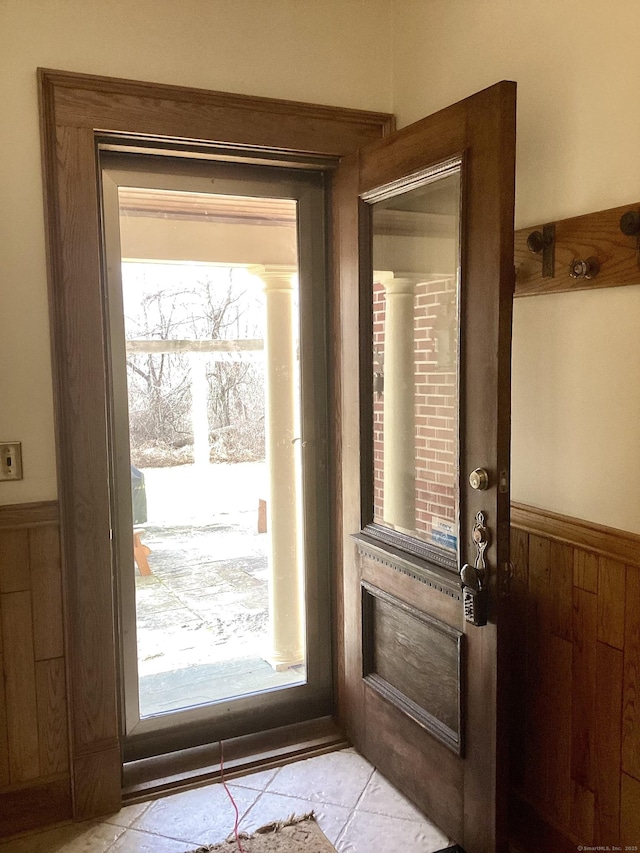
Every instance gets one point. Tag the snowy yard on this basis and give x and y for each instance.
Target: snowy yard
(188, 494)
(202, 615)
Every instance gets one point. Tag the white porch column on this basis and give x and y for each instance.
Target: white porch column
(286, 583)
(199, 408)
(399, 406)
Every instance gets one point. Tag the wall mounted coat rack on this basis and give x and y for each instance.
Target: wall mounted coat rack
(596, 250)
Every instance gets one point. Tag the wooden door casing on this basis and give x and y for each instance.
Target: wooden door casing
(467, 796)
(76, 113)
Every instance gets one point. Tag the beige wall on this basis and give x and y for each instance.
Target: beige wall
(576, 358)
(311, 50)
(576, 388)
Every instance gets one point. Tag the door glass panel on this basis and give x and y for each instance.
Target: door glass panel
(416, 314)
(213, 393)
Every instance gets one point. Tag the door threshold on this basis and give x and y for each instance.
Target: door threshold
(149, 778)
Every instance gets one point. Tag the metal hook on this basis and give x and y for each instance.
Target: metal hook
(630, 227)
(543, 242)
(584, 269)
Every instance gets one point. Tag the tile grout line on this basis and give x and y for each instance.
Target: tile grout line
(353, 810)
(359, 800)
(115, 840)
(259, 797)
(152, 834)
(253, 804)
(313, 804)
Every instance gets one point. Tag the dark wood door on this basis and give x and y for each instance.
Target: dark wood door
(424, 255)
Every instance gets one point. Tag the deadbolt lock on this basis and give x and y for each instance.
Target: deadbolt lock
(479, 480)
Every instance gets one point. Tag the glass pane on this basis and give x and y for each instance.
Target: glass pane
(416, 262)
(210, 295)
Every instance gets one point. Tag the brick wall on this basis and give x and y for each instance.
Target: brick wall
(435, 397)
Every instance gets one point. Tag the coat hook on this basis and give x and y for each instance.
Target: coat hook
(584, 269)
(630, 223)
(543, 242)
(630, 226)
(535, 242)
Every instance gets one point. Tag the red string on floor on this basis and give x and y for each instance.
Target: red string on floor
(233, 802)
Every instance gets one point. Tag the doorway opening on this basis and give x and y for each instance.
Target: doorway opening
(197, 402)
(215, 283)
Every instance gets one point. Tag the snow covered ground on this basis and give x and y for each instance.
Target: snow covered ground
(202, 615)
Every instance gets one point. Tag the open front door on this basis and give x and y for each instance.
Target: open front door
(424, 246)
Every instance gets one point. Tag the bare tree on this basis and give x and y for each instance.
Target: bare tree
(159, 383)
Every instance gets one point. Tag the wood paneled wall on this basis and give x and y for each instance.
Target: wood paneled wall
(575, 740)
(34, 753)
(575, 701)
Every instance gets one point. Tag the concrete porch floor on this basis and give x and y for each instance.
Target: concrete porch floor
(202, 615)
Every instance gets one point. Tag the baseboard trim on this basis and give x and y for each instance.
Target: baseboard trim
(529, 832)
(34, 807)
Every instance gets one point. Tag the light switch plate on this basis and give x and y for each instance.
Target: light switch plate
(10, 460)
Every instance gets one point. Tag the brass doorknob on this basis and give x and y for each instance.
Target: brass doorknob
(479, 480)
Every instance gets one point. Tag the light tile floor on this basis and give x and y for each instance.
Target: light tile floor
(357, 809)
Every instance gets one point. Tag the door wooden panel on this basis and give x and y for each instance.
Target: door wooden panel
(446, 607)
(466, 796)
(404, 750)
(426, 689)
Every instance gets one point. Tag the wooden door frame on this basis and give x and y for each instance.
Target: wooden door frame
(76, 111)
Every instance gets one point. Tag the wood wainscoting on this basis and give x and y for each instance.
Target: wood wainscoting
(35, 787)
(575, 739)
(575, 698)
